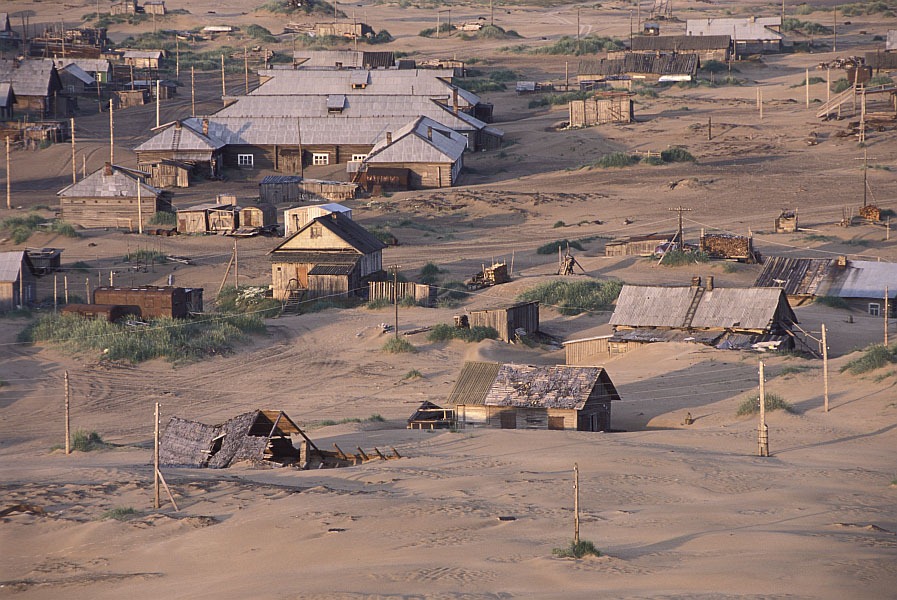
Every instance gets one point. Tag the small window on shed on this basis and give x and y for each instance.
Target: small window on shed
(874, 309)
(320, 158)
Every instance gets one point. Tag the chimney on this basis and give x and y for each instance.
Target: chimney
(107, 169)
(388, 137)
(696, 281)
(709, 285)
(429, 133)
(455, 100)
(842, 261)
(205, 127)
(177, 124)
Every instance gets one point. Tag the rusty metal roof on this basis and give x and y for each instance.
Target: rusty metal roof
(797, 276)
(473, 383)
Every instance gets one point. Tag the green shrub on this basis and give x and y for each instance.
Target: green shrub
(259, 33)
(577, 550)
(616, 160)
(652, 161)
(21, 228)
(575, 297)
(841, 85)
(430, 273)
(413, 374)
(590, 44)
(164, 218)
(773, 402)
(306, 6)
(794, 370)
(679, 258)
(85, 441)
(557, 99)
(714, 66)
(247, 300)
(142, 255)
(444, 332)
(378, 304)
(120, 513)
(558, 224)
(492, 32)
(503, 75)
(880, 80)
(552, 247)
(677, 155)
(478, 86)
(832, 301)
(396, 345)
(444, 28)
(874, 357)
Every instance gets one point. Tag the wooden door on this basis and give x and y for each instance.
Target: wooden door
(508, 419)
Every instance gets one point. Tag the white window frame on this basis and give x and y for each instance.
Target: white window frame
(358, 157)
(245, 160)
(320, 159)
(874, 309)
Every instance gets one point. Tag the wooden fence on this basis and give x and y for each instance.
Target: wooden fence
(423, 294)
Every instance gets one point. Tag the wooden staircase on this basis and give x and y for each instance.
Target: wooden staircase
(836, 101)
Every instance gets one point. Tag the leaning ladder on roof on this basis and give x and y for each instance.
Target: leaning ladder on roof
(690, 314)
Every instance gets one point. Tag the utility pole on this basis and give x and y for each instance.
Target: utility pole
(679, 233)
(577, 31)
(8, 177)
(111, 135)
(395, 296)
(74, 164)
(223, 87)
(886, 316)
(763, 429)
(156, 502)
(177, 57)
(835, 30)
(246, 70)
(236, 267)
(192, 91)
(68, 437)
(865, 160)
(575, 504)
(157, 101)
(825, 367)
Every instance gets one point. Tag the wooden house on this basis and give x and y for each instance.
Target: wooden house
(111, 197)
(168, 173)
(100, 69)
(181, 143)
(637, 67)
(641, 245)
(123, 7)
(143, 59)
(154, 7)
(258, 436)
(614, 107)
(343, 29)
(432, 154)
(330, 255)
(259, 215)
(861, 284)
(37, 86)
(507, 320)
(343, 59)
(750, 35)
(7, 100)
(122, 99)
(18, 286)
(739, 318)
(706, 47)
(44, 260)
(154, 301)
(295, 219)
(513, 396)
(75, 80)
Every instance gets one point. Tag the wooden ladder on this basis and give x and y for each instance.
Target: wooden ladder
(690, 314)
(836, 102)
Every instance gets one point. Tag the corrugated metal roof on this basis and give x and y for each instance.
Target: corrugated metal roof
(336, 101)
(530, 386)
(272, 179)
(10, 265)
(740, 308)
(797, 276)
(863, 279)
(473, 383)
(359, 78)
(79, 73)
(91, 65)
(100, 185)
(29, 77)
(679, 43)
(331, 269)
(157, 54)
(741, 29)
(188, 137)
(328, 58)
(313, 257)
(422, 141)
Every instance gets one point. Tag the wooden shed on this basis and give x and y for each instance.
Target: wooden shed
(122, 99)
(194, 219)
(169, 173)
(594, 350)
(274, 189)
(111, 197)
(614, 107)
(786, 222)
(223, 218)
(106, 312)
(44, 260)
(18, 286)
(154, 301)
(508, 319)
(513, 396)
(260, 215)
(296, 218)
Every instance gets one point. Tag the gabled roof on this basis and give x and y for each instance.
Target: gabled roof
(680, 43)
(90, 65)
(100, 185)
(356, 236)
(741, 29)
(7, 95)
(30, 77)
(647, 64)
(422, 141)
(863, 279)
(735, 308)
(527, 386)
(11, 264)
(797, 276)
(79, 73)
(157, 54)
(180, 135)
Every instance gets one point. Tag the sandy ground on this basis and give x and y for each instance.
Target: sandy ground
(677, 511)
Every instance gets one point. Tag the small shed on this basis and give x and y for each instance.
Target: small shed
(514, 396)
(17, 282)
(143, 59)
(431, 416)
(224, 218)
(786, 222)
(296, 218)
(154, 301)
(170, 173)
(260, 436)
(508, 319)
(260, 215)
(106, 312)
(44, 260)
(274, 189)
(612, 107)
(194, 219)
(122, 99)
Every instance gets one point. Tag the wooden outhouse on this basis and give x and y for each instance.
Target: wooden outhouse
(260, 215)
(331, 255)
(18, 286)
(508, 319)
(513, 396)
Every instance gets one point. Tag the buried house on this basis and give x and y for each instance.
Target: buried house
(512, 396)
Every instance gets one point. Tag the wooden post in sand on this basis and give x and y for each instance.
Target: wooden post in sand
(111, 135)
(763, 429)
(87, 289)
(8, 177)
(236, 267)
(68, 437)
(74, 163)
(156, 458)
(223, 88)
(825, 366)
(886, 316)
(709, 128)
(65, 285)
(807, 85)
(575, 504)
(192, 92)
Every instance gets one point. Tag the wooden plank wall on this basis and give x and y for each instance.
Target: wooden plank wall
(423, 294)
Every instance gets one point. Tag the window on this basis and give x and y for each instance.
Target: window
(320, 158)
(875, 309)
(245, 160)
(316, 231)
(358, 157)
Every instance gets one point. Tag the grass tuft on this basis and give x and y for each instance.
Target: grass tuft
(575, 297)
(874, 357)
(553, 247)
(679, 258)
(444, 332)
(86, 441)
(577, 550)
(397, 345)
(412, 374)
(773, 402)
(122, 513)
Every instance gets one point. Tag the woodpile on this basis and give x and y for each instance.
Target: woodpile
(723, 245)
(870, 212)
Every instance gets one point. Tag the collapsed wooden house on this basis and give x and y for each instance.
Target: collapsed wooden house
(787, 222)
(106, 312)
(44, 260)
(640, 245)
(210, 217)
(153, 301)
(431, 416)
(511, 322)
(513, 396)
(610, 107)
(730, 318)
